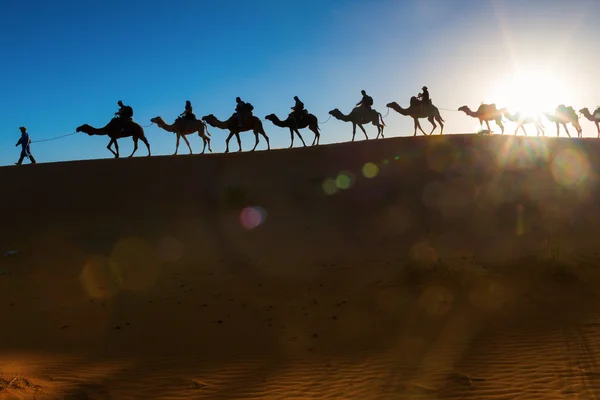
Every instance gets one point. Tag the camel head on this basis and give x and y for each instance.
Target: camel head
(335, 112)
(392, 104)
(84, 128)
(584, 111)
(271, 117)
(464, 109)
(157, 120)
(210, 119)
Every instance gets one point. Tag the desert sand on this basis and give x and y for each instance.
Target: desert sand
(443, 267)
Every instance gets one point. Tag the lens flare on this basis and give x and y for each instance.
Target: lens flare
(569, 167)
(370, 170)
(252, 217)
(344, 180)
(329, 186)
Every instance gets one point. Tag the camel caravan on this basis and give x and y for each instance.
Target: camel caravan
(243, 120)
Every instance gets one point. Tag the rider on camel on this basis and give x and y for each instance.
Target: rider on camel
(366, 102)
(188, 113)
(241, 109)
(424, 97)
(124, 115)
(297, 110)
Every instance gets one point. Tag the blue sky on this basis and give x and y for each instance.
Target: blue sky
(65, 63)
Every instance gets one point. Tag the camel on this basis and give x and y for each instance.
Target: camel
(415, 111)
(485, 112)
(250, 123)
(182, 127)
(521, 120)
(116, 129)
(595, 117)
(359, 117)
(564, 115)
(307, 121)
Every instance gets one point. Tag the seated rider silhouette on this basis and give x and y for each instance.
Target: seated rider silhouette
(424, 97)
(366, 102)
(298, 111)
(188, 113)
(240, 109)
(124, 115)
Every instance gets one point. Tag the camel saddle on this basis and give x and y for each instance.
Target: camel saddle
(187, 117)
(299, 115)
(418, 105)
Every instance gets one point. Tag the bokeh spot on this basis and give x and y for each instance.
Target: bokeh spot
(252, 217)
(370, 170)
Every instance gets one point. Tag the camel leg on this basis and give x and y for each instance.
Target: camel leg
(237, 136)
(176, 143)
(135, 146)
(432, 122)
(315, 130)
(292, 137)
(439, 120)
(567, 130)
(256, 141)
(188, 143)
(499, 123)
(300, 136)
(487, 123)
(145, 141)
(227, 142)
(362, 128)
(353, 131)
(116, 154)
(598, 128)
(557, 129)
(415, 124)
(207, 141)
(267, 139)
(419, 126)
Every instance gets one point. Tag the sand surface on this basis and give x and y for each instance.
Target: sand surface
(455, 267)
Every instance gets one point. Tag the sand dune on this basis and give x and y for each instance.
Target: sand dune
(410, 268)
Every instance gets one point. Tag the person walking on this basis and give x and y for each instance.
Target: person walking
(25, 142)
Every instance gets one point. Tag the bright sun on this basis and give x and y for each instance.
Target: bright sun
(530, 93)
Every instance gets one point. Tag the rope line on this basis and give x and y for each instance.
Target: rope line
(54, 138)
(324, 122)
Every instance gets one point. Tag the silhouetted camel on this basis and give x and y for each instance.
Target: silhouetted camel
(360, 117)
(416, 111)
(116, 129)
(307, 121)
(182, 127)
(564, 115)
(485, 112)
(521, 120)
(250, 123)
(595, 117)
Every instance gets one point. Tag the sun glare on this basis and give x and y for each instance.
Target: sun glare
(530, 93)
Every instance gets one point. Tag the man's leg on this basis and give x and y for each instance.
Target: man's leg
(20, 159)
(32, 159)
